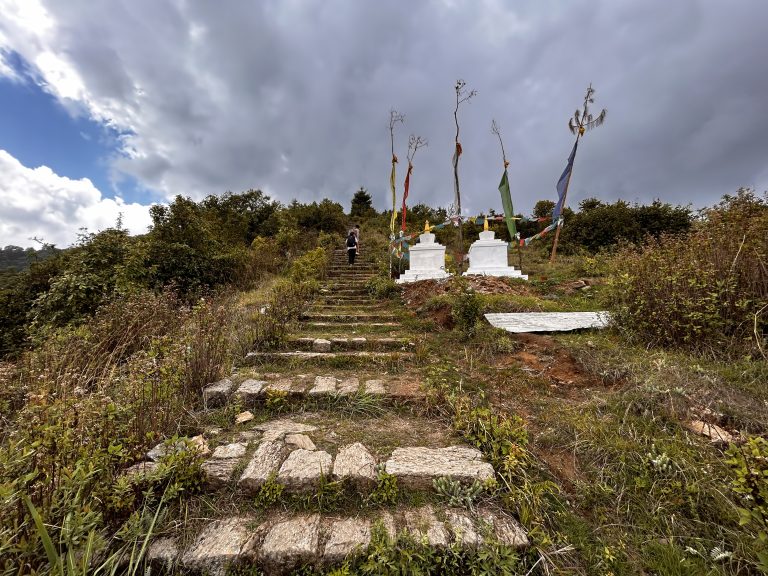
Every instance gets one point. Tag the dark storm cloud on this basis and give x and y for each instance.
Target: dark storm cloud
(294, 96)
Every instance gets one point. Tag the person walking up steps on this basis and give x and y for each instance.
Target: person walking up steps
(351, 247)
(356, 230)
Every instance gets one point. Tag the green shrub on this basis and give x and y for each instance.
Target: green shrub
(467, 312)
(382, 287)
(312, 265)
(704, 292)
(749, 465)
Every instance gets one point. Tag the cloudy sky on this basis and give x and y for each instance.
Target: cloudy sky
(107, 107)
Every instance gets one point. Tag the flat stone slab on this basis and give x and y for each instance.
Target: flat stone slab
(218, 471)
(424, 526)
(264, 462)
(462, 528)
(548, 321)
(218, 393)
(250, 390)
(348, 386)
(302, 469)
(416, 468)
(163, 551)
(346, 536)
(356, 463)
(235, 450)
(220, 544)
(291, 542)
(505, 528)
(374, 387)
(300, 441)
(323, 385)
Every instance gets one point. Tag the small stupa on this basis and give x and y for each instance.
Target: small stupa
(488, 257)
(427, 259)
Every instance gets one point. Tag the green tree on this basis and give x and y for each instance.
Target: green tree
(362, 204)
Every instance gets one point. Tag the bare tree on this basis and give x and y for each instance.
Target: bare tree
(462, 95)
(414, 143)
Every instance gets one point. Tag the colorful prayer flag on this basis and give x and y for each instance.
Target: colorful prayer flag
(506, 202)
(405, 191)
(562, 185)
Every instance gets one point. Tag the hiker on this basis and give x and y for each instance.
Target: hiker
(351, 247)
(356, 230)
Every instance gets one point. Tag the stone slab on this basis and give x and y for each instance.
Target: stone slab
(251, 390)
(290, 543)
(300, 441)
(302, 469)
(375, 387)
(506, 529)
(356, 463)
(286, 426)
(346, 536)
(548, 321)
(321, 345)
(424, 526)
(323, 385)
(462, 528)
(220, 544)
(218, 393)
(218, 471)
(234, 450)
(264, 462)
(163, 552)
(279, 385)
(348, 386)
(417, 468)
(141, 469)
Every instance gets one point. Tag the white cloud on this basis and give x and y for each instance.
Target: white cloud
(37, 202)
(294, 96)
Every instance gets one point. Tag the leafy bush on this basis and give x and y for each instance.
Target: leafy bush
(466, 312)
(704, 292)
(311, 265)
(382, 287)
(749, 465)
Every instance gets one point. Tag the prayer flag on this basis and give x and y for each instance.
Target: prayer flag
(394, 198)
(405, 191)
(506, 202)
(562, 185)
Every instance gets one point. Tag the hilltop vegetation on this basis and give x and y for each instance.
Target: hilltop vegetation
(109, 343)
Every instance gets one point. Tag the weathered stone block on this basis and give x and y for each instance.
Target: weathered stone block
(264, 462)
(416, 468)
(424, 526)
(355, 463)
(302, 469)
(218, 393)
(506, 529)
(220, 545)
(375, 387)
(462, 528)
(290, 543)
(218, 471)
(250, 391)
(323, 385)
(321, 345)
(300, 441)
(345, 537)
(348, 386)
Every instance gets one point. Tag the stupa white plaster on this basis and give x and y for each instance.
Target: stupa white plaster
(488, 257)
(427, 261)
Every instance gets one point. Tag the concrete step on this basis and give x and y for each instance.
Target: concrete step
(338, 343)
(285, 541)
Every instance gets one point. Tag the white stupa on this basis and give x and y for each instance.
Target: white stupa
(488, 257)
(427, 260)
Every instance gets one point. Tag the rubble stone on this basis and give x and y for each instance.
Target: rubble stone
(217, 394)
(250, 391)
(300, 441)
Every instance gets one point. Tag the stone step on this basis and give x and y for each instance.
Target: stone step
(253, 391)
(284, 541)
(320, 358)
(344, 291)
(346, 308)
(339, 343)
(352, 326)
(346, 299)
(348, 317)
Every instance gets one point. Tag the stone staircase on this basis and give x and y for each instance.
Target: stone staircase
(337, 412)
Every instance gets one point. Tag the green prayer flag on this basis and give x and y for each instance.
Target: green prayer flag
(506, 202)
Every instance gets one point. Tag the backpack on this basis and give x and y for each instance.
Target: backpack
(351, 241)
